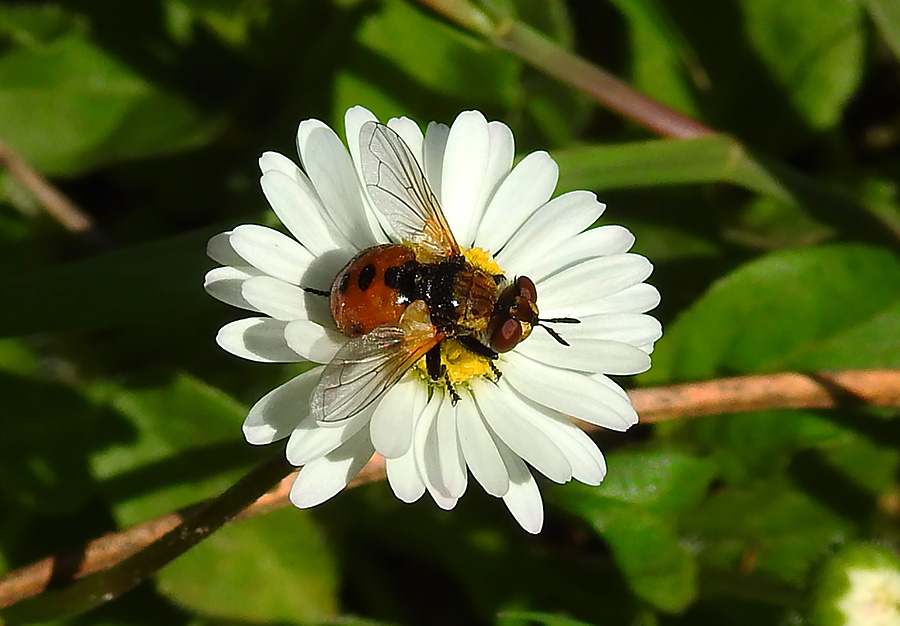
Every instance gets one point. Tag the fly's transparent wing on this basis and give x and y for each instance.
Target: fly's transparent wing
(366, 367)
(398, 188)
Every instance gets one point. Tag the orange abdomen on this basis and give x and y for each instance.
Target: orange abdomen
(360, 299)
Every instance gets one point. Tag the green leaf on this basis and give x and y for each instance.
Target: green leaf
(719, 158)
(662, 482)
(230, 20)
(558, 112)
(658, 568)
(778, 311)
(664, 65)
(749, 446)
(631, 511)
(813, 49)
(528, 618)
(49, 432)
(403, 56)
(68, 106)
(34, 25)
(152, 283)
(782, 531)
(185, 447)
(272, 568)
(886, 15)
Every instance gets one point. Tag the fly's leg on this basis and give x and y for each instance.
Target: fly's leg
(472, 344)
(454, 397)
(433, 365)
(496, 372)
(437, 371)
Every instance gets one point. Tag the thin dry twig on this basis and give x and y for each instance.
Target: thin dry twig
(558, 63)
(55, 203)
(730, 395)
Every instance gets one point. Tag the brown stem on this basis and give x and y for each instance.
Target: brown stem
(728, 395)
(815, 390)
(121, 561)
(57, 205)
(605, 88)
(547, 56)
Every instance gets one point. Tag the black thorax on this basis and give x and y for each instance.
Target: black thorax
(432, 282)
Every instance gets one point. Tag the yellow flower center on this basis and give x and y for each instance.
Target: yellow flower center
(460, 363)
(482, 259)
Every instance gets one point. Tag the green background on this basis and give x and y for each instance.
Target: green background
(774, 243)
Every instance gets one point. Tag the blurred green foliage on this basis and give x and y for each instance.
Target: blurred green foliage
(775, 247)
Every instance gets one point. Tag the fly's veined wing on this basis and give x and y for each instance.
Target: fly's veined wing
(400, 191)
(366, 367)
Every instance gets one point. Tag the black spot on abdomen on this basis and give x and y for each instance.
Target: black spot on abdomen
(366, 276)
(345, 282)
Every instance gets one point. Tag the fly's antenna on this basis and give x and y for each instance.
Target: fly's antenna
(556, 320)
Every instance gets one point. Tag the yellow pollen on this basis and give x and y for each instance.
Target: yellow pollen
(460, 363)
(482, 259)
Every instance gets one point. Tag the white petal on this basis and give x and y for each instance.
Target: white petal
(587, 461)
(632, 328)
(500, 160)
(325, 477)
(586, 355)
(312, 440)
(353, 122)
(392, 423)
(607, 382)
(433, 149)
(580, 290)
(299, 208)
(588, 464)
(277, 162)
(224, 283)
(523, 499)
(480, 449)
(403, 477)
(219, 249)
(443, 501)
(466, 162)
(527, 187)
(272, 252)
(281, 410)
(354, 119)
(593, 243)
(453, 464)
(568, 392)
(257, 339)
(282, 300)
(513, 422)
(425, 446)
(411, 134)
(334, 176)
(552, 226)
(313, 341)
(638, 298)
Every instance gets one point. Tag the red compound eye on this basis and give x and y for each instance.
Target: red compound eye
(507, 336)
(527, 288)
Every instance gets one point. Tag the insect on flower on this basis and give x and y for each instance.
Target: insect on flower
(410, 278)
(402, 302)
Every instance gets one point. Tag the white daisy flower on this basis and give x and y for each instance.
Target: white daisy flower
(872, 598)
(429, 359)
(858, 586)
